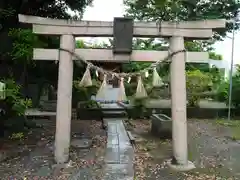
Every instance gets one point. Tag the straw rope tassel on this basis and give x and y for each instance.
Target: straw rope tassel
(121, 93)
(101, 92)
(140, 92)
(86, 79)
(157, 81)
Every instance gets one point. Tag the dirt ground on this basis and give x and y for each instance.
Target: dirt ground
(212, 148)
(32, 158)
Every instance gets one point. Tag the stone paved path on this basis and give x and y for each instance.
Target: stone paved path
(119, 154)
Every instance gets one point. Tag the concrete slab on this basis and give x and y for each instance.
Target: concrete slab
(119, 172)
(119, 154)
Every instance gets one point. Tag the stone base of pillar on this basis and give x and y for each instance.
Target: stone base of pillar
(179, 167)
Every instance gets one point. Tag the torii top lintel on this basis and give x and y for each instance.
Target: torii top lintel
(188, 29)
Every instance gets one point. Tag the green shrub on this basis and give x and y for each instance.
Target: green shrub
(13, 108)
(196, 82)
(139, 106)
(222, 92)
(235, 91)
(83, 93)
(130, 88)
(89, 104)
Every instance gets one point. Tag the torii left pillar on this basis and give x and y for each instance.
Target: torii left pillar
(64, 100)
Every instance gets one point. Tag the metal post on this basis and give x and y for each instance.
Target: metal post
(230, 75)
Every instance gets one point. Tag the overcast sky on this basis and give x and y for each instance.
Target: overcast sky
(114, 8)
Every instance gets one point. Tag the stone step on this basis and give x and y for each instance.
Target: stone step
(114, 114)
(113, 110)
(50, 105)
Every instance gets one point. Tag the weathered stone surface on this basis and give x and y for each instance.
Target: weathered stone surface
(126, 155)
(119, 172)
(112, 155)
(50, 105)
(112, 128)
(113, 139)
(119, 154)
(161, 126)
(81, 143)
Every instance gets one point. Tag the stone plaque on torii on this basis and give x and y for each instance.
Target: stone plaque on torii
(176, 32)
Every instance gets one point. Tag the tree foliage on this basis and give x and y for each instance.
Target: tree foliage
(196, 82)
(223, 90)
(9, 10)
(46, 8)
(236, 89)
(169, 10)
(213, 55)
(13, 107)
(199, 76)
(23, 42)
(17, 42)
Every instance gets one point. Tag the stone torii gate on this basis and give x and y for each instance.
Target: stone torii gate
(176, 32)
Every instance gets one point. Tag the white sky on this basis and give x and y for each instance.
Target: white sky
(108, 9)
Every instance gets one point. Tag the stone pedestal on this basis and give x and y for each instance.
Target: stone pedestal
(161, 126)
(179, 167)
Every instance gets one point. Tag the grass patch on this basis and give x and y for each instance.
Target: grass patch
(236, 134)
(234, 125)
(231, 123)
(190, 155)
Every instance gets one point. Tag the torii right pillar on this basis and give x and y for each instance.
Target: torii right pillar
(178, 104)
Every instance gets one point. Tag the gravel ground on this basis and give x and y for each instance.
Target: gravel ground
(37, 161)
(215, 155)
